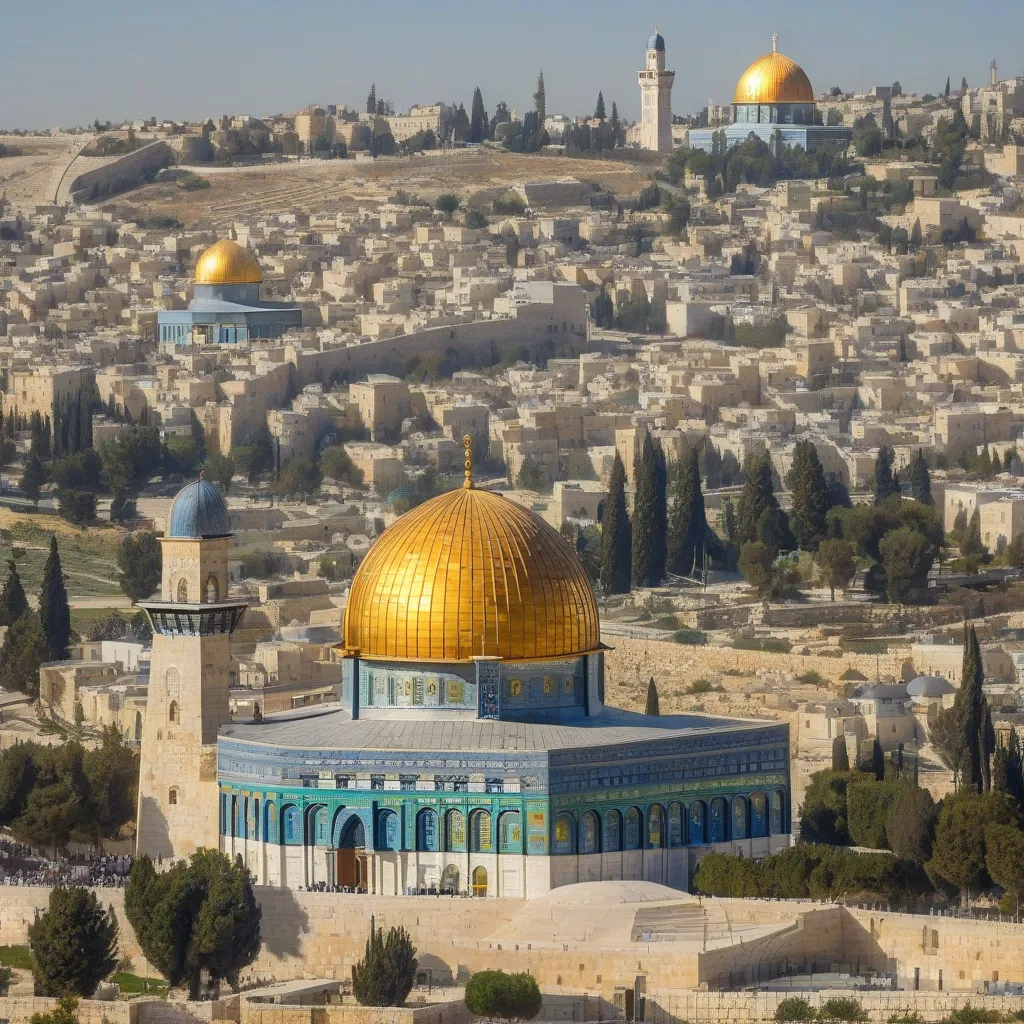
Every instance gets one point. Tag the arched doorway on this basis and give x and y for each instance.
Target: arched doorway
(352, 855)
(450, 880)
(480, 881)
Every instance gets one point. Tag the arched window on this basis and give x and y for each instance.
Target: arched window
(182, 591)
(634, 829)
(590, 833)
(212, 590)
(739, 817)
(252, 819)
(238, 814)
(426, 831)
(480, 832)
(455, 831)
(291, 822)
(612, 831)
(719, 824)
(655, 827)
(172, 683)
(319, 834)
(758, 815)
(172, 795)
(388, 832)
(270, 829)
(510, 832)
(675, 825)
(172, 713)
(564, 834)
(778, 813)
(225, 815)
(480, 881)
(697, 819)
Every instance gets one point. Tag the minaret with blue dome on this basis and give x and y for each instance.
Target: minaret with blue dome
(656, 98)
(193, 619)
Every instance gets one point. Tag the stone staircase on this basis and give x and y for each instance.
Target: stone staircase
(681, 922)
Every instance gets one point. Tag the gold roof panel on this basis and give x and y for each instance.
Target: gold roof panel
(471, 573)
(227, 262)
(774, 78)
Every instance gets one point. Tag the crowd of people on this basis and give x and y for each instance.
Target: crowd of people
(22, 865)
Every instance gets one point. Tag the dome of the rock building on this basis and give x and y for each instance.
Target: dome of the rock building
(471, 573)
(198, 511)
(774, 78)
(227, 262)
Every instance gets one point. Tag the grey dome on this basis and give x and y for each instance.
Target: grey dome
(930, 686)
(656, 42)
(198, 511)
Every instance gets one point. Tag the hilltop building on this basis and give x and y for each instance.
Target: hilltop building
(472, 749)
(774, 101)
(656, 98)
(226, 308)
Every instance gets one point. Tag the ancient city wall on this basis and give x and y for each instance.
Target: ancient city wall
(115, 174)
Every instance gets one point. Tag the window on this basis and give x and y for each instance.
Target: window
(182, 591)
(564, 828)
(212, 590)
(480, 831)
(426, 831)
(172, 796)
(456, 831)
(172, 713)
(510, 832)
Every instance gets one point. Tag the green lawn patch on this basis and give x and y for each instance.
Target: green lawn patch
(18, 957)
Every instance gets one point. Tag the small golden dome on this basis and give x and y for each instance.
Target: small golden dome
(774, 78)
(227, 262)
(471, 573)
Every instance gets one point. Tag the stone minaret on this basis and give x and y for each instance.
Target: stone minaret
(656, 98)
(189, 679)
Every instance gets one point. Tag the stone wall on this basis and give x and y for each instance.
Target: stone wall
(114, 175)
(19, 1009)
(451, 1012)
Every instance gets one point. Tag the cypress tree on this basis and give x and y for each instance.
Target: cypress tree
(921, 480)
(687, 527)
(877, 760)
(645, 525)
(997, 466)
(599, 109)
(54, 612)
(758, 495)
(478, 123)
(840, 755)
(971, 710)
(971, 545)
(653, 708)
(886, 484)
(13, 603)
(660, 512)
(811, 497)
(615, 534)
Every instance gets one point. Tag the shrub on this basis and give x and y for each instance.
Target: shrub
(794, 1008)
(844, 1008)
(704, 686)
(507, 996)
(690, 636)
(192, 183)
(385, 975)
(812, 678)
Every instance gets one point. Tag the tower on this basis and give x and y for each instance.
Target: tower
(656, 98)
(187, 702)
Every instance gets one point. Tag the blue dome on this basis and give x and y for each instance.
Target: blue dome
(656, 42)
(199, 511)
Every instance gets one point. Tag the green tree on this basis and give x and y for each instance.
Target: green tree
(616, 535)
(220, 469)
(906, 558)
(910, 823)
(886, 484)
(13, 602)
(757, 564)
(478, 125)
(532, 475)
(823, 811)
(182, 455)
(57, 807)
(76, 506)
(19, 772)
(112, 776)
(22, 652)
(1004, 859)
(299, 477)
(385, 975)
(255, 455)
(793, 1008)
(811, 496)
(840, 755)
(140, 562)
(73, 944)
(33, 477)
(842, 1008)
(65, 1012)
(336, 464)
(200, 914)
(877, 763)
(652, 708)
(970, 710)
(837, 564)
(645, 519)
(447, 203)
(687, 527)
(599, 112)
(758, 496)
(867, 807)
(920, 480)
(54, 610)
(971, 546)
(129, 461)
(540, 102)
(495, 994)
(659, 555)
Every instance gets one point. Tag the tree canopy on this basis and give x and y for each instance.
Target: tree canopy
(509, 997)
(385, 975)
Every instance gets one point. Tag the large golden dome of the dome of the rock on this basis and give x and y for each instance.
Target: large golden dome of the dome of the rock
(227, 262)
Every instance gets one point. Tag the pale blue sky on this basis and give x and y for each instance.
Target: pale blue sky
(64, 63)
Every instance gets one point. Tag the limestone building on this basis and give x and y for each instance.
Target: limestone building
(656, 98)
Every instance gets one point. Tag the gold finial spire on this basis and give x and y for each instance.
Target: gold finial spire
(775, 42)
(467, 443)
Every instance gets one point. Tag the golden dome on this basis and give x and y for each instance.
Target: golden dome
(774, 78)
(471, 573)
(227, 262)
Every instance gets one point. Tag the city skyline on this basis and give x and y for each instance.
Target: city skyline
(60, 75)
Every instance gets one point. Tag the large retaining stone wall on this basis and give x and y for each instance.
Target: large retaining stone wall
(114, 175)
